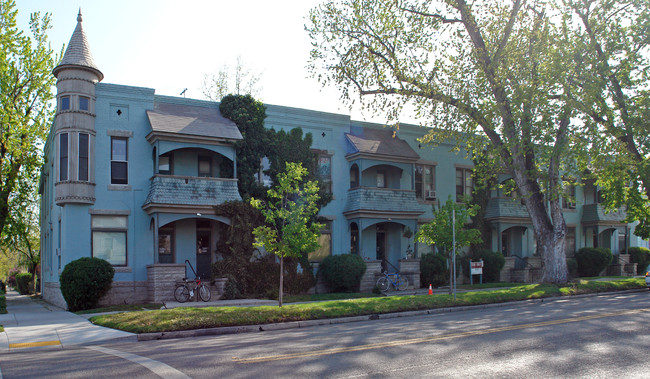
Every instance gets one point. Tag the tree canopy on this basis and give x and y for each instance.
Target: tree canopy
(496, 76)
(612, 46)
(26, 113)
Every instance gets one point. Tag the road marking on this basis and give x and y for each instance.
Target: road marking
(33, 344)
(381, 345)
(161, 369)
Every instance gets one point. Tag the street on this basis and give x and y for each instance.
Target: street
(598, 336)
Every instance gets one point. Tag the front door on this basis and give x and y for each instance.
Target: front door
(203, 256)
(381, 249)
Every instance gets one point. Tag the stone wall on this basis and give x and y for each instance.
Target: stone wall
(411, 269)
(369, 279)
(162, 280)
(52, 294)
(126, 293)
(505, 274)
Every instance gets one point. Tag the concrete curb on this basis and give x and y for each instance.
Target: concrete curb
(307, 323)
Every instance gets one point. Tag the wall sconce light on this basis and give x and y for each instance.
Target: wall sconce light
(419, 146)
(323, 134)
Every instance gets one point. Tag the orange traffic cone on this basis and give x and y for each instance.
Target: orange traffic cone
(430, 290)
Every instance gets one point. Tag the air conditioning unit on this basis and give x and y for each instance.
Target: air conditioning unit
(431, 195)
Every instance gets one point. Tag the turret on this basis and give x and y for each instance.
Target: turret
(74, 125)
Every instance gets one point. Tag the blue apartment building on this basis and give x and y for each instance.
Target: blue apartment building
(133, 177)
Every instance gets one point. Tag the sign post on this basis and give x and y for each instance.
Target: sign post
(475, 268)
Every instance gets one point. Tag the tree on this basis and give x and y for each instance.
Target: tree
(493, 75)
(240, 82)
(439, 231)
(288, 213)
(26, 109)
(21, 235)
(610, 39)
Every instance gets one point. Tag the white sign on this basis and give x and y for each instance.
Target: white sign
(477, 268)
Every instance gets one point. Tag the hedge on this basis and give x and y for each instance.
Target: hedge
(342, 273)
(23, 281)
(84, 281)
(641, 256)
(593, 260)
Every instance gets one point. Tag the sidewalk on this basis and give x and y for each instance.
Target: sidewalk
(36, 324)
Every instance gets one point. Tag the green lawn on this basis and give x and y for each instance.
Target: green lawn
(210, 317)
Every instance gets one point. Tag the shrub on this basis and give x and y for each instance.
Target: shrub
(342, 273)
(3, 287)
(231, 289)
(433, 270)
(22, 283)
(640, 256)
(84, 281)
(592, 261)
(3, 305)
(493, 262)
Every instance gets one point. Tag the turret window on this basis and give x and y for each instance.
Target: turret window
(63, 156)
(119, 161)
(83, 156)
(65, 103)
(84, 103)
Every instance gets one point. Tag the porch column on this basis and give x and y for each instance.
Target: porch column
(155, 239)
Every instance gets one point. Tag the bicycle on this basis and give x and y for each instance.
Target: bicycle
(186, 289)
(396, 280)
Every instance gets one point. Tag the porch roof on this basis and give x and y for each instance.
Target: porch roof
(191, 120)
(375, 142)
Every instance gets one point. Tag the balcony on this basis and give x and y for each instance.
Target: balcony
(505, 207)
(382, 203)
(175, 192)
(596, 214)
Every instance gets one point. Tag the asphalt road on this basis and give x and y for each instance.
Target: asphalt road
(604, 336)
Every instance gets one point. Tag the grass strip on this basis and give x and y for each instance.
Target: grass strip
(210, 317)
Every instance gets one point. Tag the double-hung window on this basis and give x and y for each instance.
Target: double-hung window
(83, 156)
(109, 238)
(63, 156)
(325, 172)
(205, 166)
(425, 182)
(119, 161)
(464, 185)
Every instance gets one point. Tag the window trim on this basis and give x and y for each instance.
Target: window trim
(466, 174)
(171, 231)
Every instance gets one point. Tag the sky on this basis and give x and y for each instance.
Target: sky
(170, 45)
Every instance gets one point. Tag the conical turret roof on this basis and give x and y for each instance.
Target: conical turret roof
(77, 54)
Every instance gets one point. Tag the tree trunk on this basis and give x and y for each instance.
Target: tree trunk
(550, 235)
(281, 280)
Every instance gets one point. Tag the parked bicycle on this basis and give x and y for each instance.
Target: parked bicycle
(398, 282)
(188, 288)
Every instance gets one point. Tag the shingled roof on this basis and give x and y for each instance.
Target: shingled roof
(191, 120)
(77, 54)
(380, 142)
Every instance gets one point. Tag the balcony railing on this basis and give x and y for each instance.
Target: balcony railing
(498, 207)
(382, 200)
(597, 212)
(190, 191)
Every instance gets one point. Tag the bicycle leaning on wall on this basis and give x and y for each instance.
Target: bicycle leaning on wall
(188, 288)
(398, 282)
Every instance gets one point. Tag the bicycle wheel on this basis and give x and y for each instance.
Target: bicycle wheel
(383, 284)
(403, 283)
(181, 294)
(204, 292)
